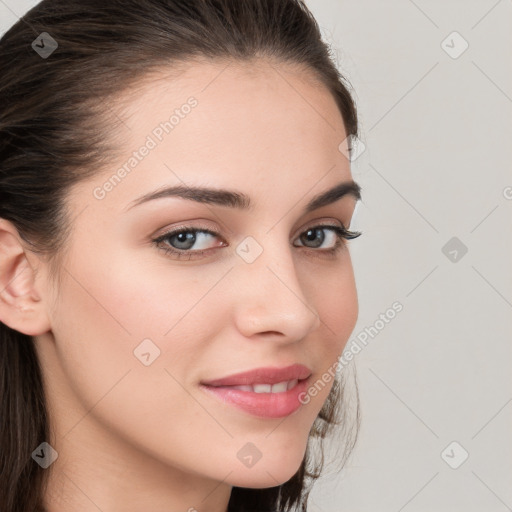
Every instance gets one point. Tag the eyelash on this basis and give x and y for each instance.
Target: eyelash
(341, 234)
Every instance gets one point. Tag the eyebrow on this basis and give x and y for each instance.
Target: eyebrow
(239, 200)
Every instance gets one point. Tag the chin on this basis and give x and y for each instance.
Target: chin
(261, 480)
(272, 474)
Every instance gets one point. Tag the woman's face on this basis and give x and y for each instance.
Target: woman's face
(136, 330)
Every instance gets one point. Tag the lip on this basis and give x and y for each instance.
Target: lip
(264, 405)
(267, 375)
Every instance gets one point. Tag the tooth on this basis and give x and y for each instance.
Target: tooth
(280, 387)
(242, 388)
(262, 388)
(292, 383)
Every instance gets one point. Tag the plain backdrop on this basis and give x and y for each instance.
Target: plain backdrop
(433, 84)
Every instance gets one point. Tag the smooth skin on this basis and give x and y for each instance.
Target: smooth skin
(133, 437)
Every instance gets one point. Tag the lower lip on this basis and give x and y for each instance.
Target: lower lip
(265, 405)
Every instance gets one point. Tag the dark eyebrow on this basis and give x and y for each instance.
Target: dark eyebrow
(234, 199)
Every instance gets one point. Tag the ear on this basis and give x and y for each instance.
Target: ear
(21, 307)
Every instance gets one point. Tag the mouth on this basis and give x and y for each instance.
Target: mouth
(264, 399)
(270, 375)
(280, 387)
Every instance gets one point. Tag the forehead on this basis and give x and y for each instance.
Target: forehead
(249, 95)
(253, 126)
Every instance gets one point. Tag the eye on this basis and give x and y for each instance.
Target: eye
(180, 242)
(337, 234)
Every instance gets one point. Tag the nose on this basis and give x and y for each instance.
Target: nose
(270, 299)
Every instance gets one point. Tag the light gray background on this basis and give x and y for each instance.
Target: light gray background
(437, 163)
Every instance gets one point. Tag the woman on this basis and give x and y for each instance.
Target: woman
(176, 284)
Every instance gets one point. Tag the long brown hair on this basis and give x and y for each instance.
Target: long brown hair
(56, 129)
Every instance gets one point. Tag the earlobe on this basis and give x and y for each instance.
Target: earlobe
(21, 306)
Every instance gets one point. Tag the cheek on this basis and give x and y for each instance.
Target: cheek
(112, 314)
(93, 339)
(102, 316)
(334, 295)
(335, 299)
(158, 298)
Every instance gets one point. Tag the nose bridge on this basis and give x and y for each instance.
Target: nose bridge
(272, 298)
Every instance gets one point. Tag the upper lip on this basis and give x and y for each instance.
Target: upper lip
(267, 375)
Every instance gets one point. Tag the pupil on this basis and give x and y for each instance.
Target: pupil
(187, 238)
(311, 234)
